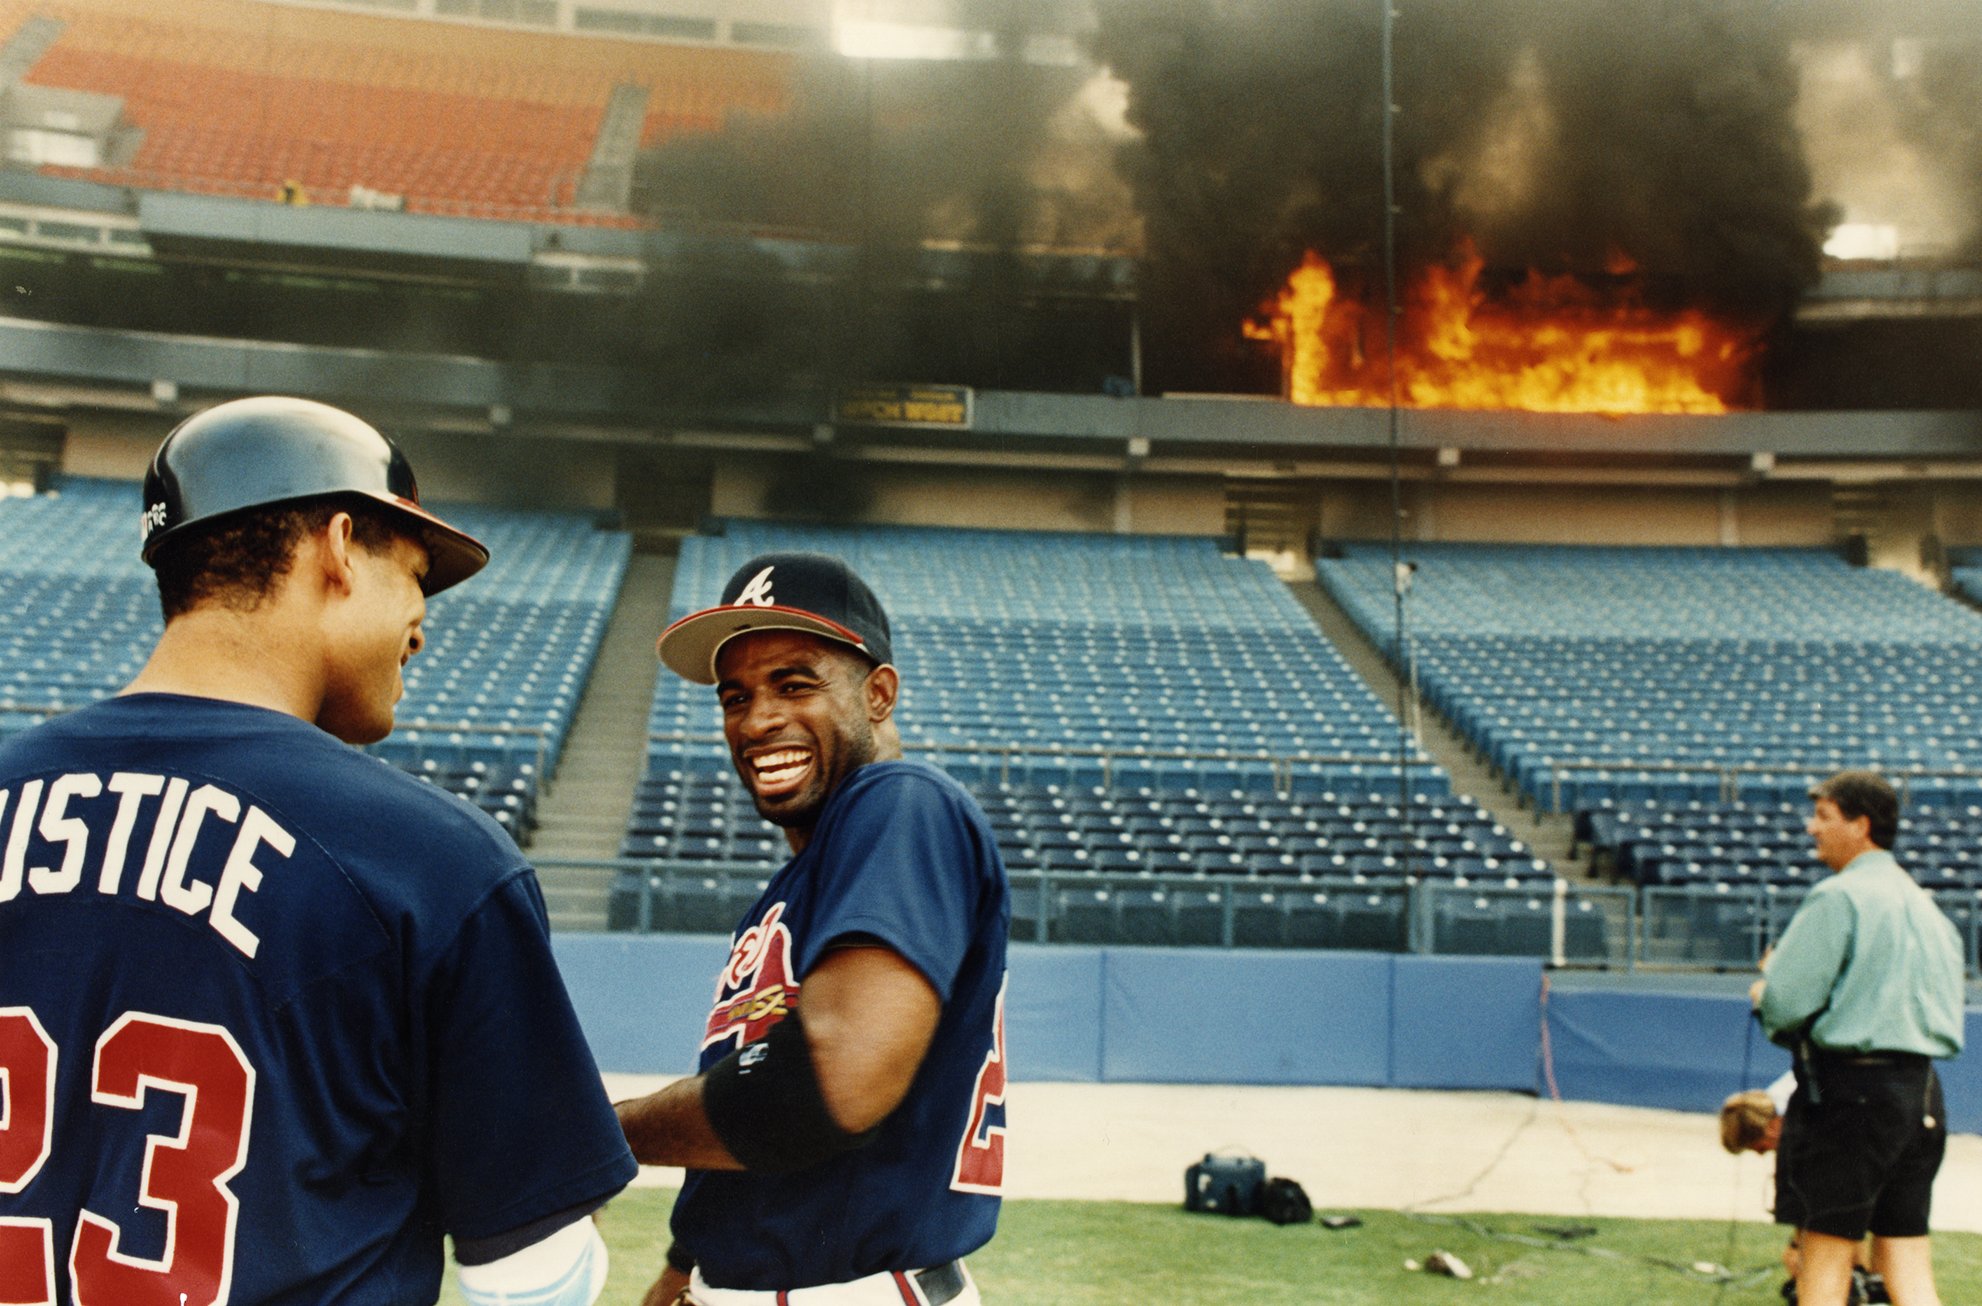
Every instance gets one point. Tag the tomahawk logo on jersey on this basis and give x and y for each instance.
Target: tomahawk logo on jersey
(902, 858)
(756, 990)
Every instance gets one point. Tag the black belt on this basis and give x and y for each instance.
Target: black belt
(940, 1283)
(1824, 1056)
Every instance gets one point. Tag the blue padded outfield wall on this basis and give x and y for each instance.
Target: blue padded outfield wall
(1687, 1051)
(1234, 1016)
(1161, 1015)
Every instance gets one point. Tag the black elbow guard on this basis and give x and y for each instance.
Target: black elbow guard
(763, 1101)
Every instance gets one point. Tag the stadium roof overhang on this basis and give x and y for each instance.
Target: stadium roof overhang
(48, 368)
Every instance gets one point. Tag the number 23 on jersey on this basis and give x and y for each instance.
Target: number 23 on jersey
(185, 1174)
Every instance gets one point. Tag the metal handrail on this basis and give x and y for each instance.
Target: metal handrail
(1559, 892)
(541, 735)
(1630, 949)
(36, 709)
(1009, 751)
(1730, 773)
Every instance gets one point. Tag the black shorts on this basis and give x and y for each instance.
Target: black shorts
(1861, 1145)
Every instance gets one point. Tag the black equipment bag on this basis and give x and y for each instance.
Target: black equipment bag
(1283, 1201)
(1225, 1185)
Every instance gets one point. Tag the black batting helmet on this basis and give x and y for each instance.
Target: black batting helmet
(257, 453)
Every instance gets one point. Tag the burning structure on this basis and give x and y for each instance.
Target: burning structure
(1597, 209)
(1545, 344)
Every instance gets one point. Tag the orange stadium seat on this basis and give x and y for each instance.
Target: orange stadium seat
(239, 97)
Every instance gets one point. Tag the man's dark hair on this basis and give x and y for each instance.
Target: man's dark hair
(1866, 794)
(237, 560)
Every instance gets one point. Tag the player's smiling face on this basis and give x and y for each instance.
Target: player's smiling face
(798, 716)
(379, 631)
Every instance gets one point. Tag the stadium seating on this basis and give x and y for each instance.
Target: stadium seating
(1765, 843)
(510, 650)
(82, 609)
(1965, 573)
(703, 815)
(1680, 702)
(1593, 676)
(1043, 652)
(487, 705)
(238, 98)
(1166, 748)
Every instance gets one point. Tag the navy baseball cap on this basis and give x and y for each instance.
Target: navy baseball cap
(811, 592)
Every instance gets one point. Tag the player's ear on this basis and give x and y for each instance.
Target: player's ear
(334, 545)
(883, 685)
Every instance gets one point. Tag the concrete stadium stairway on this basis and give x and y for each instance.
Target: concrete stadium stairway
(583, 816)
(1548, 835)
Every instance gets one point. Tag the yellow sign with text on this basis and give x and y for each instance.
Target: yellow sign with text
(904, 405)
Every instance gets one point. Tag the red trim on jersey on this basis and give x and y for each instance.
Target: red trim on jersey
(784, 1298)
(908, 1293)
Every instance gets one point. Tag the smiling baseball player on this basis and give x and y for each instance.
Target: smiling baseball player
(845, 1137)
(276, 1017)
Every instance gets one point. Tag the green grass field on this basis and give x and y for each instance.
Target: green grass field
(1118, 1253)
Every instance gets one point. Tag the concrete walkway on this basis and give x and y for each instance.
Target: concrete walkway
(1396, 1149)
(583, 817)
(1549, 836)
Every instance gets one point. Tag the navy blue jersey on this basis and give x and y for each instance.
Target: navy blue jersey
(275, 1016)
(903, 855)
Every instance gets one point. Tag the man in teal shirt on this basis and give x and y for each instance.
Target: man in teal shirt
(1866, 989)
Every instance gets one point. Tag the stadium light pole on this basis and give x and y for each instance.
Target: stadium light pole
(1399, 579)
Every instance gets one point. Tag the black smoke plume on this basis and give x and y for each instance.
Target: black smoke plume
(1558, 137)
(872, 162)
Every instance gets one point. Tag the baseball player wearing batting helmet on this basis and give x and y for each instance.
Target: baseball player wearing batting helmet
(845, 1137)
(274, 1016)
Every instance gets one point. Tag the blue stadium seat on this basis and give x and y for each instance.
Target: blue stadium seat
(1373, 922)
(1313, 920)
(1021, 667)
(487, 704)
(1085, 916)
(1466, 925)
(1682, 701)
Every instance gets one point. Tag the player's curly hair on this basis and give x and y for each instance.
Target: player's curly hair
(1744, 1118)
(236, 560)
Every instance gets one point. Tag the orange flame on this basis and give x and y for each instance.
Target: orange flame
(1550, 344)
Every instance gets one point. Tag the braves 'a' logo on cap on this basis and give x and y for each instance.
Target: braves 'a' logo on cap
(758, 592)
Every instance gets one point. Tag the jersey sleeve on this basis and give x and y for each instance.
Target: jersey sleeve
(520, 1126)
(902, 868)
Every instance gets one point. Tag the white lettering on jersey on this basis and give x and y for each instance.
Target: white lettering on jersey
(59, 827)
(131, 788)
(178, 818)
(758, 592)
(17, 839)
(242, 875)
(193, 898)
(161, 838)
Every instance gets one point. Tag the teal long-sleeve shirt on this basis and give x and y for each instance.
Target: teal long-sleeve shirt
(1872, 957)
